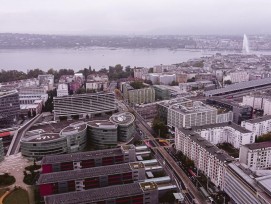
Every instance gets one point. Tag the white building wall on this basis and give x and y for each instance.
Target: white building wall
(267, 107)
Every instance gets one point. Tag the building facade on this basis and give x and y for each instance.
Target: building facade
(256, 156)
(84, 104)
(259, 126)
(2, 154)
(126, 125)
(9, 107)
(38, 143)
(62, 90)
(102, 134)
(188, 115)
(207, 157)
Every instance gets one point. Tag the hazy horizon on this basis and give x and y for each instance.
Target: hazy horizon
(121, 17)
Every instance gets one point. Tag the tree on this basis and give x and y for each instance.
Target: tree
(34, 73)
(174, 83)
(150, 70)
(228, 82)
(81, 91)
(137, 84)
(264, 137)
(159, 127)
(191, 80)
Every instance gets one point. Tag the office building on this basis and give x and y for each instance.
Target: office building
(244, 187)
(207, 157)
(126, 125)
(161, 93)
(54, 139)
(145, 193)
(102, 134)
(62, 90)
(28, 95)
(138, 72)
(72, 161)
(89, 178)
(256, 156)
(188, 115)
(84, 104)
(259, 126)
(9, 107)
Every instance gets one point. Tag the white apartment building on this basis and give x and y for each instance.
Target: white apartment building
(226, 133)
(167, 79)
(161, 68)
(224, 117)
(237, 77)
(62, 90)
(259, 126)
(207, 157)
(190, 114)
(27, 95)
(97, 82)
(256, 156)
(138, 72)
(256, 102)
(244, 188)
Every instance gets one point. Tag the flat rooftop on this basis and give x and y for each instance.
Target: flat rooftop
(220, 125)
(94, 195)
(123, 118)
(239, 86)
(80, 156)
(80, 174)
(260, 145)
(260, 119)
(102, 124)
(197, 107)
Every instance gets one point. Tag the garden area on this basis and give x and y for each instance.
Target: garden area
(17, 196)
(6, 180)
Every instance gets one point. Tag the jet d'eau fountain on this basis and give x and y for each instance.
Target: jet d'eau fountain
(245, 49)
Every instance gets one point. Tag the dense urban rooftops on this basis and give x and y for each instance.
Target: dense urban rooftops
(258, 120)
(218, 125)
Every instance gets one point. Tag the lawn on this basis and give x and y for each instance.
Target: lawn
(18, 196)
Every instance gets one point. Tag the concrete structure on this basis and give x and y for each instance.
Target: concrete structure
(167, 79)
(81, 160)
(39, 142)
(237, 77)
(239, 87)
(147, 111)
(102, 134)
(84, 104)
(226, 133)
(2, 154)
(256, 156)
(190, 114)
(240, 112)
(31, 109)
(259, 126)
(256, 102)
(9, 107)
(138, 96)
(27, 95)
(145, 193)
(244, 188)
(163, 68)
(126, 125)
(89, 178)
(161, 92)
(207, 157)
(62, 90)
(193, 86)
(267, 107)
(138, 72)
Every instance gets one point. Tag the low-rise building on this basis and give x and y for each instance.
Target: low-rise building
(128, 193)
(256, 156)
(97, 82)
(259, 126)
(65, 162)
(207, 157)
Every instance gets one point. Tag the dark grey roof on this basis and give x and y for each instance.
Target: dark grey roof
(94, 195)
(258, 145)
(239, 86)
(84, 173)
(209, 147)
(217, 125)
(258, 120)
(80, 156)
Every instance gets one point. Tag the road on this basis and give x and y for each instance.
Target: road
(15, 143)
(180, 176)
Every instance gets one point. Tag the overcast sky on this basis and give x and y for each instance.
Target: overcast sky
(137, 17)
